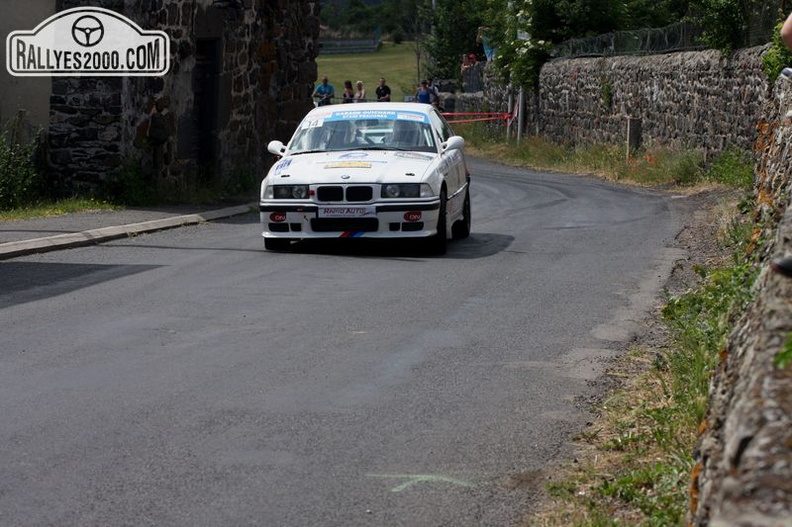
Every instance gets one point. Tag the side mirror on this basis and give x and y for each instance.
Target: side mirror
(276, 147)
(454, 143)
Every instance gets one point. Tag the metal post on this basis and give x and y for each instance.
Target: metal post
(520, 109)
(633, 135)
(510, 109)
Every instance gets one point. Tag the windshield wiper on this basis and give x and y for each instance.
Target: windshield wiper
(307, 152)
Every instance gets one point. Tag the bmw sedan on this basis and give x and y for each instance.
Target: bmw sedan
(368, 170)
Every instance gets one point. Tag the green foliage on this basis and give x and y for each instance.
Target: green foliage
(455, 26)
(396, 17)
(777, 57)
(522, 33)
(20, 183)
(654, 489)
(606, 93)
(128, 186)
(687, 168)
(732, 167)
(55, 208)
(701, 320)
(784, 357)
(582, 18)
(724, 23)
(640, 14)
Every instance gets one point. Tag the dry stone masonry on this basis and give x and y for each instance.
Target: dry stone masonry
(695, 100)
(744, 470)
(241, 74)
(691, 99)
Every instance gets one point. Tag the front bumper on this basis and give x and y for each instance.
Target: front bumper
(382, 220)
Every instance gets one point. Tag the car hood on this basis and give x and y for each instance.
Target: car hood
(369, 166)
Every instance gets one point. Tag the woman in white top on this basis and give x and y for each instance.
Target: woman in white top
(360, 93)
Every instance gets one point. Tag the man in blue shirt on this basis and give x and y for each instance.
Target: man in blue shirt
(324, 92)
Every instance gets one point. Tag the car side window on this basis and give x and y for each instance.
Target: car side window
(440, 124)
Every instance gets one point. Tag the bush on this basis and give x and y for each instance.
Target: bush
(777, 57)
(19, 180)
(723, 21)
(733, 167)
(128, 186)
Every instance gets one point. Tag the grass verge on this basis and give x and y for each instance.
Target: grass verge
(56, 208)
(636, 458)
(650, 166)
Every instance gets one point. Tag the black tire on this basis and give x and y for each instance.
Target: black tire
(461, 228)
(438, 243)
(277, 244)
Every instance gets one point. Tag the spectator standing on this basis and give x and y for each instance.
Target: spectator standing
(360, 92)
(422, 95)
(465, 65)
(383, 91)
(324, 92)
(349, 94)
(434, 93)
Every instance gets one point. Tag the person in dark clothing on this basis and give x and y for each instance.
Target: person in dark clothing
(349, 93)
(383, 91)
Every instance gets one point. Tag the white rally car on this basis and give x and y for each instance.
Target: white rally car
(372, 170)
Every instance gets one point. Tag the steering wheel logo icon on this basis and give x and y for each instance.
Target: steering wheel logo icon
(88, 31)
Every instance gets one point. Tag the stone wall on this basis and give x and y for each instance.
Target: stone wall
(743, 474)
(241, 73)
(691, 99)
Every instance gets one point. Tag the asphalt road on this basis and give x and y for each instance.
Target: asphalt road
(190, 378)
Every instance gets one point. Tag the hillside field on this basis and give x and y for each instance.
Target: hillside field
(395, 62)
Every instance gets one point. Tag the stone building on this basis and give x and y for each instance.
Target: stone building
(241, 74)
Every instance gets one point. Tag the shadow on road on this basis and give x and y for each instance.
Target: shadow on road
(22, 282)
(478, 245)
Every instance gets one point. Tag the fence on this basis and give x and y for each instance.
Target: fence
(681, 36)
(337, 46)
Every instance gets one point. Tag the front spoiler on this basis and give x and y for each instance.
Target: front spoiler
(391, 221)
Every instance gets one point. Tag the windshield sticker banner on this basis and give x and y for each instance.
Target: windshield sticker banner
(387, 115)
(87, 41)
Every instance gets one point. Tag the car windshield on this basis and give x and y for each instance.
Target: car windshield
(372, 130)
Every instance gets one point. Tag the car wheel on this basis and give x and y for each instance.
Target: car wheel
(461, 228)
(438, 244)
(276, 244)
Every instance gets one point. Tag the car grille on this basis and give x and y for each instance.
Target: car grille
(344, 224)
(354, 193)
(330, 193)
(358, 193)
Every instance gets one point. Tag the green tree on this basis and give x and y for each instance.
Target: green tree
(724, 22)
(454, 33)
(361, 17)
(640, 14)
(581, 18)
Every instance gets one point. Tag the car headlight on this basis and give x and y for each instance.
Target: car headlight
(287, 191)
(406, 190)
